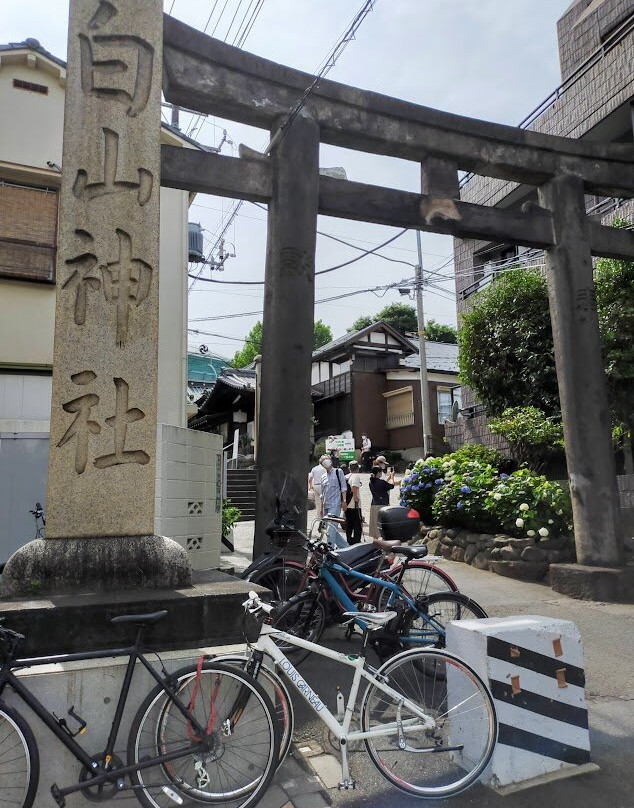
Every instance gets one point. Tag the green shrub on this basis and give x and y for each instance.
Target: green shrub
(476, 451)
(461, 499)
(532, 437)
(230, 515)
(527, 504)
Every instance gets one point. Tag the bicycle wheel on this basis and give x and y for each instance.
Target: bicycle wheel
(19, 759)
(442, 608)
(235, 763)
(284, 579)
(451, 753)
(302, 616)
(419, 578)
(279, 696)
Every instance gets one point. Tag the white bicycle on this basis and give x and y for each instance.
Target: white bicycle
(426, 718)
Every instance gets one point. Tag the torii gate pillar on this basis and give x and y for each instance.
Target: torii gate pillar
(289, 299)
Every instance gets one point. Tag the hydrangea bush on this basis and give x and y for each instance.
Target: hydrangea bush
(463, 491)
(527, 504)
(461, 499)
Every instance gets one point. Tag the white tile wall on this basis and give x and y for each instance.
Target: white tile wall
(188, 509)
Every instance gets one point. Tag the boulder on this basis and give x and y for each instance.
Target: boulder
(434, 533)
(508, 553)
(470, 553)
(446, 552)
(457, 554)
(472, 538)
(480, 561)
(494, 553)
(446, 541)
(452, 532)
(460, 540)
(560, 556)
(521, 570)
(535, 553)
(520, 544)
(486, 540)
(500, 541)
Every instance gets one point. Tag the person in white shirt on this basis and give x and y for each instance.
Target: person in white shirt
(314, 484)
(366, 451)
(354, 525)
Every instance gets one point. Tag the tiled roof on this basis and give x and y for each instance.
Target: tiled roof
(441, 356)
(32, 44)
(353, 336)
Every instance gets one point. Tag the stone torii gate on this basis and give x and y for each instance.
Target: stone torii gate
(207, 75)
(103, 418)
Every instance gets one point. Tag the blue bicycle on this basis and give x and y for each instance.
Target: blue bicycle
(419, 620)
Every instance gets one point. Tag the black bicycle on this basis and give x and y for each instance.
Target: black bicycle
(204, 734)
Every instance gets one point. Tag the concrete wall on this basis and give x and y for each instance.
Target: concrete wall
(189, 492)
(93, 688)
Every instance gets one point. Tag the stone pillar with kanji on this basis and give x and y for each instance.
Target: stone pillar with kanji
(102, 463)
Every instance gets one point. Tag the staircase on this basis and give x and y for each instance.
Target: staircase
(241, 490)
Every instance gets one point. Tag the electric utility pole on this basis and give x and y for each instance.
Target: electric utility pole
(424, 386)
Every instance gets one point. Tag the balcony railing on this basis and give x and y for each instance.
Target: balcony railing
(397, 421)
(336, 386)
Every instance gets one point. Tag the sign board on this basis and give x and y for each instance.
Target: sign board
(344, 447)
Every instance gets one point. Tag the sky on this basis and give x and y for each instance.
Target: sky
(489, 59)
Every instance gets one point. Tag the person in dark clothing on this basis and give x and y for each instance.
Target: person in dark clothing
(380, 490)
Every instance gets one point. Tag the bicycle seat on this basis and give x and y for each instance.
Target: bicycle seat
(418, 551)
(154, 617)
(351, 555)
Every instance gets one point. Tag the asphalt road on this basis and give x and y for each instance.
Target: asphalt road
(607, 631)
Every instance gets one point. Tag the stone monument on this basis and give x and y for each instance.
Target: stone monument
(102, 464)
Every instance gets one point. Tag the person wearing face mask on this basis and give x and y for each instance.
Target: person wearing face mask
(333, 489)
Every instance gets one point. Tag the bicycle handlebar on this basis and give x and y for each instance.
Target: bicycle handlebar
(253, 604)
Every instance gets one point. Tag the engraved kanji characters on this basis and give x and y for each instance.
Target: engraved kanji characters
(83, 427)
(126, 282)
(83, 189)
(81, 279)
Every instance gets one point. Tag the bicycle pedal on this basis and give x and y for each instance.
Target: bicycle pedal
(58, 796)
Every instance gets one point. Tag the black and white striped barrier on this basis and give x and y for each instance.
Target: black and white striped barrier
(534, 669)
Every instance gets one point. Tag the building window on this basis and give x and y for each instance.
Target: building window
(446, 397)
(28, 232)
(30, 86)
(400, 408)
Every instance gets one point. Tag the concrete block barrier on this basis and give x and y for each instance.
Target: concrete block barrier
(534, 669)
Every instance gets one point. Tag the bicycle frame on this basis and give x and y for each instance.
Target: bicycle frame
(325, 573)
(7, 677)
(341, 730)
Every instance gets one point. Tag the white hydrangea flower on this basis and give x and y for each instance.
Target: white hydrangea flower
(497, 497)
(560, 513)
(523, 507)
(519, 522)
(550, 522)
(543, 532)
(530, 533)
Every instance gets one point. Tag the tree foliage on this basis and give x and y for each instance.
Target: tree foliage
(439, 332)
(531, 436)
(401, 316)
(253, 343)
(614, 283)
(506, 345)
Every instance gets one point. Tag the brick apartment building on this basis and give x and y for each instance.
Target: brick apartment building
(594, 101)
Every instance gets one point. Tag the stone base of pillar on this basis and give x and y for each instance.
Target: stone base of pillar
(608, 584)
(63, 566)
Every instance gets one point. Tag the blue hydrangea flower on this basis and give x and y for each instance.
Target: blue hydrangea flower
(427, 485)
(465, 489)
(460, 505)
(439, 481)
(503, 476)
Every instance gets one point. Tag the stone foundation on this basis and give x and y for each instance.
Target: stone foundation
(61, 566)
(524, 559)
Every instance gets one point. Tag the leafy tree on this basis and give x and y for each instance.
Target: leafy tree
(253, 343)
(614, 283)
(252, 347)
(400, 316)
(323, 335)
(439, 332)
(506, 345)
